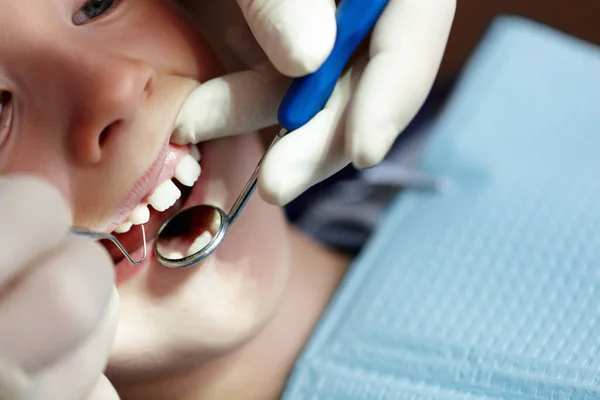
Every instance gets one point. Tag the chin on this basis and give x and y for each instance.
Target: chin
(173, 320)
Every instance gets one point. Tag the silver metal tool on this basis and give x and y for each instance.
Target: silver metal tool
(107, 236)
(179, 233)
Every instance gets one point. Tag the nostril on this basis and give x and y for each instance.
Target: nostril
(107, 133)
(149, 87)
(103, 136)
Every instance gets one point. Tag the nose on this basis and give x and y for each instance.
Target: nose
(109, 93)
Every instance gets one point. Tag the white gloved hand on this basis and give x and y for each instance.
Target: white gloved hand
(58, 305)
(373, 103)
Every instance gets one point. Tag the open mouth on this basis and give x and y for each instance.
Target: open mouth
(177, 173)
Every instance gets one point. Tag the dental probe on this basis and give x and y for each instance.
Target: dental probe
(107, 236)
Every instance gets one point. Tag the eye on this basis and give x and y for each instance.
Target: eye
(5, 115)
(93, 9)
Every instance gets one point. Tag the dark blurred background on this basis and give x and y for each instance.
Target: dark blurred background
(576, 17)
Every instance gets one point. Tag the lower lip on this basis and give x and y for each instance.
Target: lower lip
(124, 268)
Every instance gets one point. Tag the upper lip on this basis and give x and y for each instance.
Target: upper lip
(149, 179)
(141, 188)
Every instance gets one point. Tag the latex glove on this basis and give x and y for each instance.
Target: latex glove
(372, 105)
(58, 306)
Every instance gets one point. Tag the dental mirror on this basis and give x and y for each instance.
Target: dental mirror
(194, 233)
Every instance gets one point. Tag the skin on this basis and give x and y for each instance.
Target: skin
(90, 108)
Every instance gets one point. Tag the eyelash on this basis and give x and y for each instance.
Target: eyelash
(80, 17)
(5, 115)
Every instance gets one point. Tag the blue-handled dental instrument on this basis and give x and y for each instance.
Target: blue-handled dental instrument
(308, 95)
(196, 232)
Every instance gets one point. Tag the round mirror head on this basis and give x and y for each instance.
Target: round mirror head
(190, 236)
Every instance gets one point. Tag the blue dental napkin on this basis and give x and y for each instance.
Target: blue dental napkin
(489, 289)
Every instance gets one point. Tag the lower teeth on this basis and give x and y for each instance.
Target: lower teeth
(200, 243)
(175, 255)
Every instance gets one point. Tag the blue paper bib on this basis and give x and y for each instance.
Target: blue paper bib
(489, 289)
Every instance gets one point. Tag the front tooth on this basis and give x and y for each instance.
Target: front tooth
(187, 171)
(140, 215)
(194, 152)
(200, 243)
(124, 227)
(164, 196)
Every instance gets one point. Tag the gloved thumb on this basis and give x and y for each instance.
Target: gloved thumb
(296, 35)
(14, 383)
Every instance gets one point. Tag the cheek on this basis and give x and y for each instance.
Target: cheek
(179, 49)
(257, 236)
(193, 315)
(36, 155)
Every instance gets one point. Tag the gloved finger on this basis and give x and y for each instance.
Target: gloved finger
(14, 382)
(233, 104)
(87, 362)
(313, 152)
(54, 307)
(406, 50)
(296, 35)
(34, 219)
(298, 162)
(104, 390)
(244, 48)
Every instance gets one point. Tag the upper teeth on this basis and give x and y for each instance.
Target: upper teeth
(164, 196)
(167, 193)
(124, 227)
(140, 215)
(194, 152)
(174, 255)
(187, 171)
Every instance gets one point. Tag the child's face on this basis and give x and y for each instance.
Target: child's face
(89, 92)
